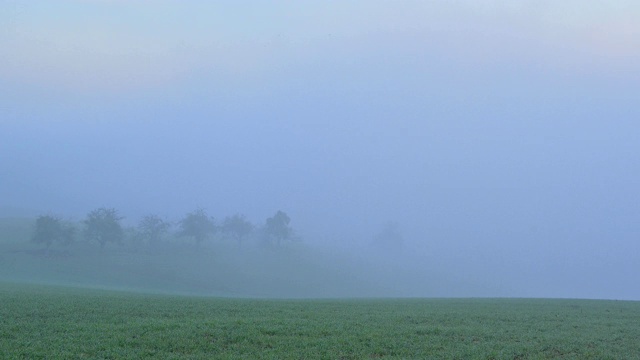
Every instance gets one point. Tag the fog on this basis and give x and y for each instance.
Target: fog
(501, 137)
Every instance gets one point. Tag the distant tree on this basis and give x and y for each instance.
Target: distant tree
(197, 224)
(152, 228)
(103, 226)
(237, 227)
(389, 238)
(277, 227)
(51, 229)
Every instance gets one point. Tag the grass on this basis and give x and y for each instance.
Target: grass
(46, 322)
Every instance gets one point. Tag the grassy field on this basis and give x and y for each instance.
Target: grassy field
(38, 322)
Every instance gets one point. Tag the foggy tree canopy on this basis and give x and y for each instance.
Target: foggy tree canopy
(50, 229)
(277, 227)
(153, 227)
(238, 227)
(103, 225)
(198, 225)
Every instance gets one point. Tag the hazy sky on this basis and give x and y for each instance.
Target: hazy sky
(502, 136)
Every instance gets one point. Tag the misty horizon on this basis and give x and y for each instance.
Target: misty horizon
(501, 138)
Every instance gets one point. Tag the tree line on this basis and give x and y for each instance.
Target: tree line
(104, 226)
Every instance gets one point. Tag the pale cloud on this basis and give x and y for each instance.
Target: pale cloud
(132, 46)
(90, 59)
(615, 39)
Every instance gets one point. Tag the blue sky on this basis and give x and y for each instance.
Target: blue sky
(500, 134)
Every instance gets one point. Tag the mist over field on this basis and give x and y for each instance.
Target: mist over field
(501, 139)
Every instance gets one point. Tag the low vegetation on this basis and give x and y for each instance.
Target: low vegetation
(80, 318)
(61, 323)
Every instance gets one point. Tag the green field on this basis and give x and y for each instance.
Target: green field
(39, 322)
(224, 312)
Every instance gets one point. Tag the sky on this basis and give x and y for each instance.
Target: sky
(501, 136)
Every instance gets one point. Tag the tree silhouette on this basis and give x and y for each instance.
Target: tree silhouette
(103, 226)
(238, 227)
(389, 238)
(51, 229)
(277, 227)
(197, 224)
(152, 228)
